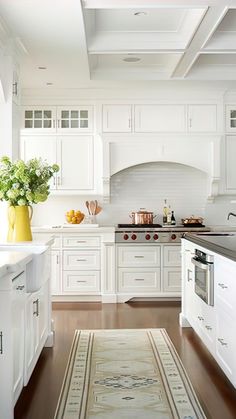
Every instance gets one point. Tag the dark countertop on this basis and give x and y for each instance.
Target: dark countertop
(223, 243)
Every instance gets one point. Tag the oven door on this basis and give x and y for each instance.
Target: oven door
(204, 280)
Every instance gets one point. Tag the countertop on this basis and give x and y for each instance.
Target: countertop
(45, 241)
(13, 261)
(224, 245)
(80, 228)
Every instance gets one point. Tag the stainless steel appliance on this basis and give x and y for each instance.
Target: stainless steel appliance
(204, 276)
(151, 233)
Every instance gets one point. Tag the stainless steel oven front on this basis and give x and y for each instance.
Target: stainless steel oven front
(204, 276)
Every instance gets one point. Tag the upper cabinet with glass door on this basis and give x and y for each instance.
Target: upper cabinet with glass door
(231, 118)
(48, 119)
(75, 119)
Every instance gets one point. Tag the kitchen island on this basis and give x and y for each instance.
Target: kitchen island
(25, 315)
(209, 294)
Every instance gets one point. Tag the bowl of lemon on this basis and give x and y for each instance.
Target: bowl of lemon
(74, 217)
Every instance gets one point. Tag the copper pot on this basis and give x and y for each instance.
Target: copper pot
(142, 217)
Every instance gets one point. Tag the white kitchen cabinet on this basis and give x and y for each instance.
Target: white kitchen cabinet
(214, 324)
(202, 118)
(172, 279)
(73, 154)
(55, 272)
(139, 280)
(37, 327)
(230, 166)
(171, 268)
(52, 119)
(230, 121)
(138, 256)
(39, 119)
(117, 118)
(12, 332)
(159, 118)
(81, 282)
(81, 264)
(226, 344)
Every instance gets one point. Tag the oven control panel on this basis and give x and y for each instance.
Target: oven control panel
(147, 237)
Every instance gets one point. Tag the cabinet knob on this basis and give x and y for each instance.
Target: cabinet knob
(208, 327)
(200, 318)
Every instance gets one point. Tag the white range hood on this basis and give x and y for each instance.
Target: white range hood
(200, 152)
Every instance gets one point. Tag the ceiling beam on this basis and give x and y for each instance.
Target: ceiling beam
(204, 32)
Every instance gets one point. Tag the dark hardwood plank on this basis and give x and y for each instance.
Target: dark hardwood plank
(38, 400)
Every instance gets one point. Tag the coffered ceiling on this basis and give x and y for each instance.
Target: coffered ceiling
(68, 43)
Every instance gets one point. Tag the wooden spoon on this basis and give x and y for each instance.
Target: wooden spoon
(87, 205)
(92, 207)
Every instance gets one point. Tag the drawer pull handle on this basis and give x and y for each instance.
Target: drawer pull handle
(138, 257)
(81, 260)
(81, 241)
(208, 327)
(222, 342)
(139, 279)
(20, 287)
(200, 318)
(81, 281)
(223, 286)
(188, 275)
(1, 343)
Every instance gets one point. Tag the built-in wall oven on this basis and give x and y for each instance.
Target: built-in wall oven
(204, 276)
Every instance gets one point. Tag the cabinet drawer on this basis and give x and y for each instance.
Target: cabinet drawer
(76, 260)
(172, 255)
(81, 282)
(140, 281)
(225, 343)
(172, 279)
(138, 256)
(225, 295)
(81, 241)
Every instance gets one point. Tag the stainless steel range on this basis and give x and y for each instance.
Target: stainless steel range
(152, 233)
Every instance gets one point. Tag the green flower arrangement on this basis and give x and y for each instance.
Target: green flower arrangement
(25, 183)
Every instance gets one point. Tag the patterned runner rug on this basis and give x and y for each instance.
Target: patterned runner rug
(126, 373)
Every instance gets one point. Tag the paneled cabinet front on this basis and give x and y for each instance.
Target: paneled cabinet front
(74, 155)
(162, 118)
(81, 256)
(117, 118)
(230, 166)
(52, 119)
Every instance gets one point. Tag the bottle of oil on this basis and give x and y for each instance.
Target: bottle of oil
(169, 215)
(165, 212)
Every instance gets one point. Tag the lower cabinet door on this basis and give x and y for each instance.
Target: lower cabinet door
(31, 334)
(55, 272)
(81, 282)
(172, 279)
(139, 280)
(226, 343)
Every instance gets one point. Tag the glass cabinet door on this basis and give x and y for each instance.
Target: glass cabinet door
(231, 118)
(74, 119)
(39, 119)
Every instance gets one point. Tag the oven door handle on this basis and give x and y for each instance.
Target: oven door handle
(201, 265)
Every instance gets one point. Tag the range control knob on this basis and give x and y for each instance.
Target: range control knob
(173, 236)
(147, 237)
(155, 236)
(133, 237)
(125, 237)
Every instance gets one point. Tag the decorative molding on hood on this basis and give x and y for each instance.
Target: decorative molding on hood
(199, 151)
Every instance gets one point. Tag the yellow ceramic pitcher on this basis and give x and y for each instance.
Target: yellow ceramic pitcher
(19, 218)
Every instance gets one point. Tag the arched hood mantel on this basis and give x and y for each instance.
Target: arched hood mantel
(200, 152)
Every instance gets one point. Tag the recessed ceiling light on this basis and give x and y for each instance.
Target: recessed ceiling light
(41, 67)
(49, 84)
(140, 14)
(131, 59)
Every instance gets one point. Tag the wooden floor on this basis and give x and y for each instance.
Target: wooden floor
(38, 400)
